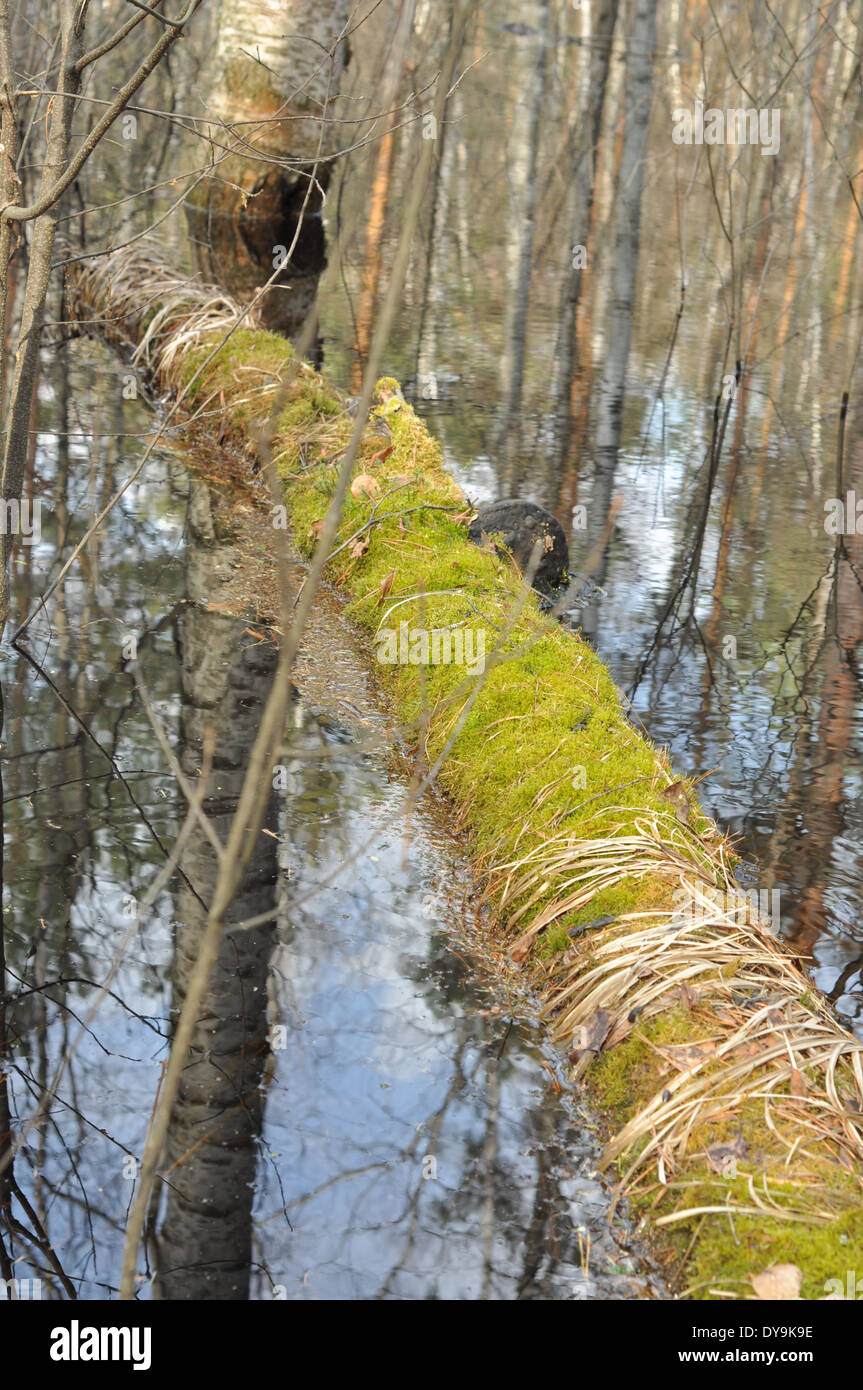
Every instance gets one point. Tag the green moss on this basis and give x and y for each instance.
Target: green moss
(729, 1250)
(547, 738)
(539, 746)
(250, 358)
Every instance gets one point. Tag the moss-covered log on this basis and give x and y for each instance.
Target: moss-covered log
(733, 1097)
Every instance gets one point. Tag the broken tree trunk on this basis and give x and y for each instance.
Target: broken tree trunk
(277, 69)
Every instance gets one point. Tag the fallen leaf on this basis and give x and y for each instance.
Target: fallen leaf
(386, 586)
(779, 1282)
(364, 485)
(592, 1034)
(687, 995)
(621, 1028)
(685, 1056)
(380, 457)
(722, 1158)
(676, 795)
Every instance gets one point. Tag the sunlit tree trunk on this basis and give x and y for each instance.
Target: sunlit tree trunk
(523, 173)
(276, 72)
(386, 94)
(572, 373)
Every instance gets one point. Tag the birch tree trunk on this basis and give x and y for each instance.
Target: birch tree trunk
(205, 1242)
(276, 72)
(523, 172)
(627, 218)
(583, 184)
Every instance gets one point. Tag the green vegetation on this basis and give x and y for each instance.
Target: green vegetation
(558, 797)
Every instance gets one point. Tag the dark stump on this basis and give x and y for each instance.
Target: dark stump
(519, 525)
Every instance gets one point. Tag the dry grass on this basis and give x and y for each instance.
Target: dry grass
(755, 1038)
(771, 1037)
(154, 316)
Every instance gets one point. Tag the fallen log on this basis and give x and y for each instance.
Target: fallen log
(732, 1095)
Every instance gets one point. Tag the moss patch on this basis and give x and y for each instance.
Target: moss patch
(559, 798)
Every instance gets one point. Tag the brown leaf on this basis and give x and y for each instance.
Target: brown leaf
(364, 485)
(386, 586)
(379, 458)
(687, 995)
(676, 795)
(722, 1158)
(620, 1030)
(779, 1282)
(593, 1034)
(685, 1056)
(845, 1160)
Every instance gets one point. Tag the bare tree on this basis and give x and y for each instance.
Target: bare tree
(52, 100)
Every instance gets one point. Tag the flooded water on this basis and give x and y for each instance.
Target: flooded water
(745, 664)
(411, 1135)
(419, 1136)
(363, 1116)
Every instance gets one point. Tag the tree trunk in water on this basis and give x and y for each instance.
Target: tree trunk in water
(583, 177)
(627, 219)
(387, 96)
(204, 1249)
(524, 173)
(277, 66)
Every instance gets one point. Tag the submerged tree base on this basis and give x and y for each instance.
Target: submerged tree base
(733, 1097)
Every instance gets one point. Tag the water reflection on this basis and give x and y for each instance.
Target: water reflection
(203, 1248)
(358, 1118)
(413, 1138)
(725, 617)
